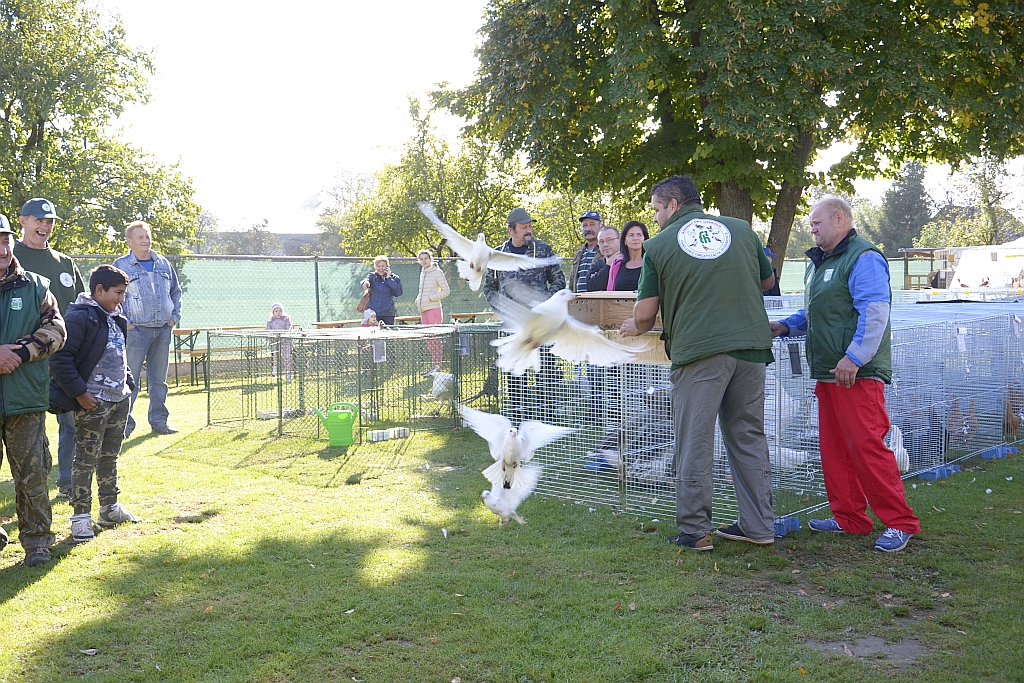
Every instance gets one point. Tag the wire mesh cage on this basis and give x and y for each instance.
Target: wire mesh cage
(957, 390)
(387, 375)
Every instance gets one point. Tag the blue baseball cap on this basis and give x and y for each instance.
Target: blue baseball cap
(40, 208)
(591, 214)
(5, 225)
(768, 253)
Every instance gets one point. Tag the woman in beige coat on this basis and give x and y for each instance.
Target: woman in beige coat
(433, 288)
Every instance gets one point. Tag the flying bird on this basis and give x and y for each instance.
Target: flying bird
(477, 257)
(503, 502)
(511, 448)
(547, 323)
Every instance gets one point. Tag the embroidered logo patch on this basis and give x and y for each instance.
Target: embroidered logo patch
(828, 275)
(16, 303)
(704, 239)
(67, 280)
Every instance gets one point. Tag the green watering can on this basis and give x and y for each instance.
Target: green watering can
(339, 420)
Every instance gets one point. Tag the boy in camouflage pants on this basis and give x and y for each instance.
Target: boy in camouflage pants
(90, 375)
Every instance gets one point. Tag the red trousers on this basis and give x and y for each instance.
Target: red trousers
(858, 469)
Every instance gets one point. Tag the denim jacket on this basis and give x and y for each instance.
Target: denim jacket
(152, 298)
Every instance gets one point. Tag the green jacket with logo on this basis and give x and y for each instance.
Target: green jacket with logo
(831, 315)
(26, 389)
(711, 302)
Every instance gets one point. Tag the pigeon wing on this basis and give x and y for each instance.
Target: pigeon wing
(462, 246)
(538, 434)
(503, 260)
(578, 342)
(492, 428)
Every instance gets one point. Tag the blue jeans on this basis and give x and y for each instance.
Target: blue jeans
(151, 345)
(65, 449)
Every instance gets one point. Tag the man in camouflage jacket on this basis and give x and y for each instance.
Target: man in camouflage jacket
(529, 287)
(31, 328)
(546, 281)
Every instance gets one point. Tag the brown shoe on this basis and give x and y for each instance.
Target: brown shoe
(697, 541)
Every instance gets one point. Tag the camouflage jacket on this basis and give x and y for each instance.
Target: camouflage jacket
(547, 280)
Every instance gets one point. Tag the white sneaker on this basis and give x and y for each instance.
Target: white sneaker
(81, 528)
(111, 515)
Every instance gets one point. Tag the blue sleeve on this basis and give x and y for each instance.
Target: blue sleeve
(395, 285)
(869, 287)
(797, 324)
(175, 294)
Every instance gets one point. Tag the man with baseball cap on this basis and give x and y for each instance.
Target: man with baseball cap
(540, 283)
(590, 225)
(35, 255)
(31, 328)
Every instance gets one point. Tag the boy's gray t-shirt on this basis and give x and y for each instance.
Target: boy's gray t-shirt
(108, 380)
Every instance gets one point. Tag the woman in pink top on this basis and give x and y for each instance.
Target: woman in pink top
(433, 288)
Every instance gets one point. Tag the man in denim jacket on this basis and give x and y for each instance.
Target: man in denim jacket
(152, 305)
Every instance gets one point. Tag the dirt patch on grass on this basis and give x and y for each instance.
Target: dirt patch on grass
(871, 650)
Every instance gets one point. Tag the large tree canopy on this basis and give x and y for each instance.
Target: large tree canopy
(741, 94)
(66, 73)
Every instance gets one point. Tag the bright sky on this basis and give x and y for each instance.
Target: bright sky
(264, 104)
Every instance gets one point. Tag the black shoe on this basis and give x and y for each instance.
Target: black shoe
(734, 533)
(3, 538)
(37, 556)
(63, 494)
(164, 429)
(697, 542)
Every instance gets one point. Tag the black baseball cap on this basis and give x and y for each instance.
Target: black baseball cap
(5, 226)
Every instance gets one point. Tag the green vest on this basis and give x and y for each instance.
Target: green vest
(832, 317)
(26, 390)
(709, 286)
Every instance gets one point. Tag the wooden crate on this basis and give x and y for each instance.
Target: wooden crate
(607, 310)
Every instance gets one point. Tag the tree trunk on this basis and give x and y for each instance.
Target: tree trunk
(782, 222)
(789, 199)
(734, 201)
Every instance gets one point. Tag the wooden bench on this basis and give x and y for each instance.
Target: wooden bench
(327, 324)
(471, 317)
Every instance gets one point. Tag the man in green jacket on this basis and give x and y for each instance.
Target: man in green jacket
(33, 252)
(31, 328)
(846, 320)
(706, 274)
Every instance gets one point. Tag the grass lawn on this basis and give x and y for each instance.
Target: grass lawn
(265, 559)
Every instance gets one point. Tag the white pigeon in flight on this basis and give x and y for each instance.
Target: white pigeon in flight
(549, 323)
(511, 448)
(477, 256)
(504, 502)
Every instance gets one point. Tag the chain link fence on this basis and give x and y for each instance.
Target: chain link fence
(232, 291)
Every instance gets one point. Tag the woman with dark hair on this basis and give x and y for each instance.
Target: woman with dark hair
(622, 274)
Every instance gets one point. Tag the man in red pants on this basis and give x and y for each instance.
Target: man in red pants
(846, 320)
